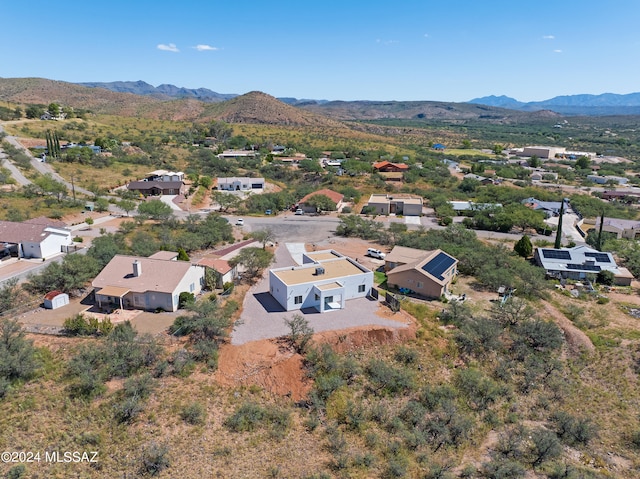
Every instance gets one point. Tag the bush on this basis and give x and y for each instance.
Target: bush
(185, 299)
(193, 413)
(249, 416)
(346, 210)
(155, 459)
(227, 287)
(128, 409)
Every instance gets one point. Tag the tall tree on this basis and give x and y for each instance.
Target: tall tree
(558, 243)
(599, 243)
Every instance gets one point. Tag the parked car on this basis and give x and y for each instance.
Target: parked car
(268, 212)
(375, 253)
(239, 222)
(299, 212)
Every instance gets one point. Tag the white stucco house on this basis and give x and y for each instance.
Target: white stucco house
(234, 183)
(146, 283)
(35, 238)
(324, 282)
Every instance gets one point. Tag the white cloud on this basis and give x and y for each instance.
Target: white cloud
(171, 47)
(205, 48)
(557, 51)
(548, 37)
(387, 42)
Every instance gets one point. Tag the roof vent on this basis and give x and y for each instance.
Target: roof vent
(319, 271)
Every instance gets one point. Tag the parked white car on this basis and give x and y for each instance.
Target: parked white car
(239, 222)
(375, 253)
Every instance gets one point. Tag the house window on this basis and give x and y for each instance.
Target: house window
(419, 284)
(317, 297)
(192, 287)
(361, 288)
(297, 300)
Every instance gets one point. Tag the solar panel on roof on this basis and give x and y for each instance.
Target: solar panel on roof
(599, 257)
(439, 265)
(556, 254)
(584, 267)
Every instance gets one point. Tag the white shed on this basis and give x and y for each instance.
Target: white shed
(55, 299)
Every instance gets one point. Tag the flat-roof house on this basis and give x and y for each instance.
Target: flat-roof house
(332, 195)
(544, 152)
(237, 183)
(157, 188)
(601, 180)
(35, 238)
(482, 179)
(324, 282)
(146, 283)
(237, 154)
(164, 175)
(398, 204)
(460, 206)
(577, 262)
(426, 273)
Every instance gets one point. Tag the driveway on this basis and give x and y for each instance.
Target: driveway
(263, 318)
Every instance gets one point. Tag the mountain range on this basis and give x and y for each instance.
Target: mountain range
(588, 105)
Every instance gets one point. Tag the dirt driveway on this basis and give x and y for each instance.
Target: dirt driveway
(262, 317)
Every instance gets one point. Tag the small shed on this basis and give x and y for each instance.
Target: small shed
(55, 299)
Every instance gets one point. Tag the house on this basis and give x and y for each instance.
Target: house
(543, 152)
(578, 262)
(146, 283)
(222, 270)
(426, 273)
(332, 195)
(482, 179)
(244, 183)
(226, 154)
(624, 196)
(388, 167)
(550, 208)
(398, 204)
(157, 188)
(324, 282)
(601, 180)
(164, 175)
(35, 238)
(621, 228)
(462, 206)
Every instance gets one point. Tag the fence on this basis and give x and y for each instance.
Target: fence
(392, 301)
(374, 293)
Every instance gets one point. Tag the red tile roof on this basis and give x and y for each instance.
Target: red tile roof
(333, 195)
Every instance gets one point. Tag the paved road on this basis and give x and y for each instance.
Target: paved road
(43, 168)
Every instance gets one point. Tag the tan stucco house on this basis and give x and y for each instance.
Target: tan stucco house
(426, 273)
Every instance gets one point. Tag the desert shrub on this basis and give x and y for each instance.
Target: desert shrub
(406, 356)
(572, 430)
(433, 397)
(127, 409)
(139, 386)
(249, 416)
(545, 446)
(17, 472)
(300, 333)
(193, 413)
(81, 325)
(503, 469)
(155, 459)
(18, 357)
(479, 390)
(386, 379)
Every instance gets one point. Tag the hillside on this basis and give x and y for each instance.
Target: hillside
(419, 110)
(161, 92)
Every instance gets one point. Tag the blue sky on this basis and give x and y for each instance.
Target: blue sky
(452, 50)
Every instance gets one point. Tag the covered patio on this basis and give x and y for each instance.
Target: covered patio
(330, 296)
(111, 296)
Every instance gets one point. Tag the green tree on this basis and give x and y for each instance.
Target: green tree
(523, 247)
(558, 242)
(254, 260)
(49, 186)
(264, 236)
(300, 333)
(534, 161)
(583, 163)
(225, 201)
(54, 109)
(155, 209)
(18, 359)
(182, 255)
(127, 206)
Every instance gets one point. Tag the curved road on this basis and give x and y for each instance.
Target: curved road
(43, 168)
